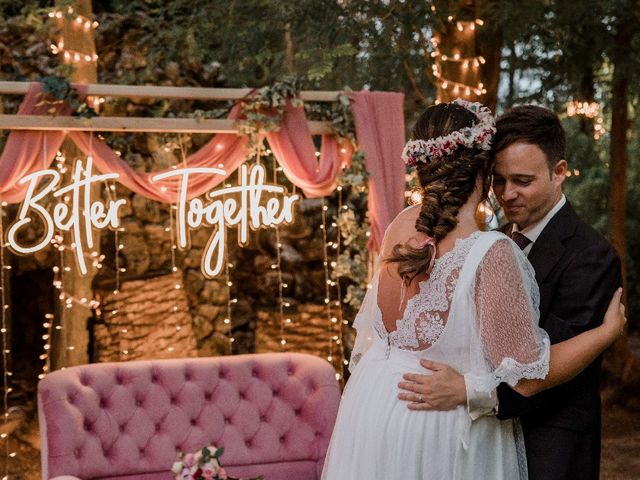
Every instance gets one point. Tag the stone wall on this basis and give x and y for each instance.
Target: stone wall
(146, 254)
(146, 319)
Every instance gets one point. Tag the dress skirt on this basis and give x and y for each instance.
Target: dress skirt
(377, 437)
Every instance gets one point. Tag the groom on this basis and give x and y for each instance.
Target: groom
(577, 271)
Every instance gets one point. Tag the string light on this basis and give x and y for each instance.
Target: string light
(52, 325)
(230, 301)
(598, 129)
(338, 319)
(174, 271)
(123, 330)
(465, 63)
(177, 277)
(457, 87)
(457, 58)
(327, 281)
(281, 284)
(73, 56)
(47, 325)
(589, 110)
(67, 300)
(5, 348)
(77, 21)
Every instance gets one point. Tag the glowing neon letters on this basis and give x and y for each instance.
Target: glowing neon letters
(241, 205)
(65, 217)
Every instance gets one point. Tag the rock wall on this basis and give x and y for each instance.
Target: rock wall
(147, 319)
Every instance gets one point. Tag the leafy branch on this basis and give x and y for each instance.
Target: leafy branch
(57, 90)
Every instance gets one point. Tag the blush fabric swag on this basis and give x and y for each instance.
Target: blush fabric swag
(379, 124)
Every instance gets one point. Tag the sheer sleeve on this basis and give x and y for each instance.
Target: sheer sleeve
(506, 299)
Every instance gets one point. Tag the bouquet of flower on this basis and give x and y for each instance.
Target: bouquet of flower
(202, 465)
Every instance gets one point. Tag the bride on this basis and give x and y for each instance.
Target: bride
(449, 293)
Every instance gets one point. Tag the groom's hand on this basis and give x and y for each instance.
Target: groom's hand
(444, 389)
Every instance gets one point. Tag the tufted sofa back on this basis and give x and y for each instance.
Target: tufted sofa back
(273, 413)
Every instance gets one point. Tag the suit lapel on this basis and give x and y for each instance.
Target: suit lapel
(549, 247)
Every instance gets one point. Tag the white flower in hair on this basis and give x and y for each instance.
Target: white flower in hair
(476, 136)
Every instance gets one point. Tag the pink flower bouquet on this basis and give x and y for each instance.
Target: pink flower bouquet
(202, 465)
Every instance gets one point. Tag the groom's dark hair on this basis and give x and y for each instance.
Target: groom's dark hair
(534, 125)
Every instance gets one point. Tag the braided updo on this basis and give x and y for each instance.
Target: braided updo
(447, 183)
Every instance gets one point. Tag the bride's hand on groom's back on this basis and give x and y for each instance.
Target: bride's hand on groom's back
(443, 389)
(615, 320)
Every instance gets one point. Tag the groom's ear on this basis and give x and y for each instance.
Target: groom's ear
(559, 172)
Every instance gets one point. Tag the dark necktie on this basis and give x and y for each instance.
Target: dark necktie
(520, 239)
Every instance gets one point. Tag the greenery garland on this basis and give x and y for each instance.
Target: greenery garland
(57, 90)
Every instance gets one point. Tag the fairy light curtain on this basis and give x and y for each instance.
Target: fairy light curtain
(379, 124)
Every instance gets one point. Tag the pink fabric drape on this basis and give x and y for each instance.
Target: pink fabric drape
(293, 147)
(379, 120)
(30, 151)
(225, 151)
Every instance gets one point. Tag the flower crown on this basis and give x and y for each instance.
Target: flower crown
(479, 136)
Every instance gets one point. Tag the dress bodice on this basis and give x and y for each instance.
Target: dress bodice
(426, 314)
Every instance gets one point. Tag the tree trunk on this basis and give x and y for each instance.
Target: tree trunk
(70, 344)
(622, 368)
(289, 52)
(475, 74)
(511, 92)
(490, 48)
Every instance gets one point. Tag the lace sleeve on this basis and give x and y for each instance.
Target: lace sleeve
(506, 298)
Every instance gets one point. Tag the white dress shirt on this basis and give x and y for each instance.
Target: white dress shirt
(532, 232)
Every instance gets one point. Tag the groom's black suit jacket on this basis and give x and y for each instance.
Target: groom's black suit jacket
(577, 271)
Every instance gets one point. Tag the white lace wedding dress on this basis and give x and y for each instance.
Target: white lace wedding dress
(477, 312)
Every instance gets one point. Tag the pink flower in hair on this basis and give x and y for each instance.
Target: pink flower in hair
(476, 136)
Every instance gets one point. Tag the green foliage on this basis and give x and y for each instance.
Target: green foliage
(265, 110)
(57, 90)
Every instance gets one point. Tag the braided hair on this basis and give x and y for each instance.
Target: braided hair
(447, 183)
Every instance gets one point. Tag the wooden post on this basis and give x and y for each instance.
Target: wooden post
(71, 343)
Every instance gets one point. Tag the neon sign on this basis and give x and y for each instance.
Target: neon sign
(65, 217)
(226, 210)
(244, 206)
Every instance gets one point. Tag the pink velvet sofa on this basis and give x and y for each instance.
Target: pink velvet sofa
(273, 414)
